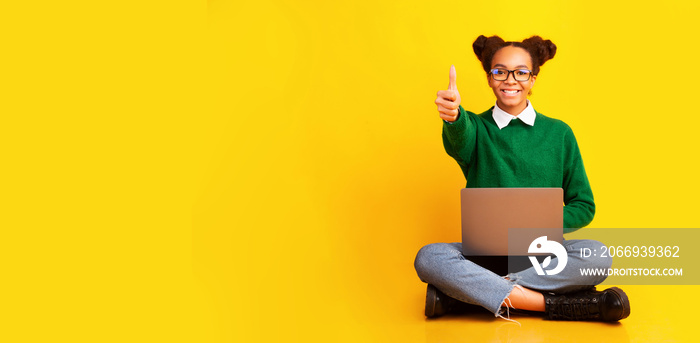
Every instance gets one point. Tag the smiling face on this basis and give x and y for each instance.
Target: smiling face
(511, 95)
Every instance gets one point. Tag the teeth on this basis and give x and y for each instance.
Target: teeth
(510, 92)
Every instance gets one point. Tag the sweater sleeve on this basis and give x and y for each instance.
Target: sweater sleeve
(579, 207)
(459, 138)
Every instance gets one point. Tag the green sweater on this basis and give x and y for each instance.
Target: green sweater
(519, 155)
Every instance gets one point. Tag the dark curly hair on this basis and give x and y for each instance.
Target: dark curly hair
(540, 50)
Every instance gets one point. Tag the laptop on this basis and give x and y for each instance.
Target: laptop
(488, 213)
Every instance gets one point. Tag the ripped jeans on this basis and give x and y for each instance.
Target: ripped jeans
(444, 266)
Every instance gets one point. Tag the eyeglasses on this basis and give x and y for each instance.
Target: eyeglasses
(499, 74)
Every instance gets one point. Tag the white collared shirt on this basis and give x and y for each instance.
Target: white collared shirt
(503, 118)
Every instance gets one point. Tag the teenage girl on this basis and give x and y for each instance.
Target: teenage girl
(512, 145)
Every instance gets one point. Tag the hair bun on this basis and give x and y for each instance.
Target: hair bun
(544, 49)
(479, 45)
(484, 48)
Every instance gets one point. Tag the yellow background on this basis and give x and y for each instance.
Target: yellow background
(266, 170)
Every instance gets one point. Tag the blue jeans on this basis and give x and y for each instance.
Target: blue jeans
(444, 266)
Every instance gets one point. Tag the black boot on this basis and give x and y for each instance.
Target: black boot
(437, 303)
(609, 305)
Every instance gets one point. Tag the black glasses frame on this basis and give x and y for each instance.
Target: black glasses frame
(510, 72)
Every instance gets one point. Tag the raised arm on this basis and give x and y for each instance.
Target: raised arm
(448, 101)
(458, 133)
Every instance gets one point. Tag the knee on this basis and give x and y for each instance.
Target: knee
(429, 257)
(596, 258)
(601, 260)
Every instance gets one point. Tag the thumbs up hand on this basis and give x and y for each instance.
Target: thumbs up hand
(448, 100)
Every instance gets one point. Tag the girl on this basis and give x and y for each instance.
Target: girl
(512, 145)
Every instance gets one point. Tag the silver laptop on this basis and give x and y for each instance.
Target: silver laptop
(488, 213)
